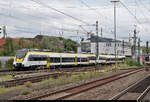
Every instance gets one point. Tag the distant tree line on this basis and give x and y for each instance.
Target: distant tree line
(56, 44)
(144, 50)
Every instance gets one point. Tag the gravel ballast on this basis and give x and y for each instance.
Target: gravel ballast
(103, 92)
(109, 90)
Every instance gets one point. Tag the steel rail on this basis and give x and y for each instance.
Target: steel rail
(143, 94)
(88, 84)
(127, 89)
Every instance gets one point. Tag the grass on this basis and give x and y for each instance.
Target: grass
(6, 78)
(28, 84)
(126, 66)
(19, 87)
(51, 82)
(6, 90)
(26, 92)
(62, 80)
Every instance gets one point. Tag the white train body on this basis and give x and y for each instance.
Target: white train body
(28, 58)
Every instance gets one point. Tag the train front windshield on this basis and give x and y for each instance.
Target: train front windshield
(21, 54)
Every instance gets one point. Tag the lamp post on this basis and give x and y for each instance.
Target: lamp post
(115, 1)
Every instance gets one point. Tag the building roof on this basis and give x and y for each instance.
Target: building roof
(93, 38)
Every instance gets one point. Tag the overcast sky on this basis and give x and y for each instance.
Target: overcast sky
(28, 18)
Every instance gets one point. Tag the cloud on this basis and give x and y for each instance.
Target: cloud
(24, 18)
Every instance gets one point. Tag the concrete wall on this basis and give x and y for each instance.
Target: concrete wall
(4, 59)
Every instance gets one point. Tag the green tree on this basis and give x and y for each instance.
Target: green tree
(9, 47)
(144, 49)
(70, 45)
(44, 43)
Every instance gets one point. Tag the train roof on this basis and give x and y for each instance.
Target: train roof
(37, 51)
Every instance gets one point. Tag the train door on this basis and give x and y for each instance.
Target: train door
(48, 62)
(76, 60)
(88, 60)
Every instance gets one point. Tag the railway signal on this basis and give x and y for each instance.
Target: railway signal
(3, 31)
(0, 30)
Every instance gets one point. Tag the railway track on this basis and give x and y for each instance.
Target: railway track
(72, 69)
(34, 79)
(145, 95)
(5, 70)
(67, 93)
(39, 78)
(52, 73)
(136, 91)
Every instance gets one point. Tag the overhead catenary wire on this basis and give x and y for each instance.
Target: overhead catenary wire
(84, 3)
(22, 20)
(130, 12)
(142, 12)
(140, 24)
(144, 5)
(45, 5)
(48, 5)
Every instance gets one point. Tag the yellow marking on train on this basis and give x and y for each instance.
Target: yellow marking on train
(76, 61)
(19, 60)
(48, 62)
(88, 60)
(59, 53)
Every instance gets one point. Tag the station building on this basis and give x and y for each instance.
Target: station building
(106, 46)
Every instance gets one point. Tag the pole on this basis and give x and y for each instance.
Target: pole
(101, 32)
(115, 33)
(139, 51)
(4, 32)
(97, 47)
(147, 47)
(147, 57)
(115, 1)
(134, 45)
(123, 47)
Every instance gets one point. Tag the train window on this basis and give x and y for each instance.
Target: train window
(102, 58)
(30, 58)
(83, 59)
(78, 59)
(146, 58)
(120, 59)
(112, 59)
(92, 58)
(37, 58)
(42, 58)
(54, 59)
(66, 59)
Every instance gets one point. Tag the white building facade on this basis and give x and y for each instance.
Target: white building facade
(106, 46)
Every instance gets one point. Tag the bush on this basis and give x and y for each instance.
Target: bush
(28, 84)
(131, 62)
(9, 63)
(26, 92)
